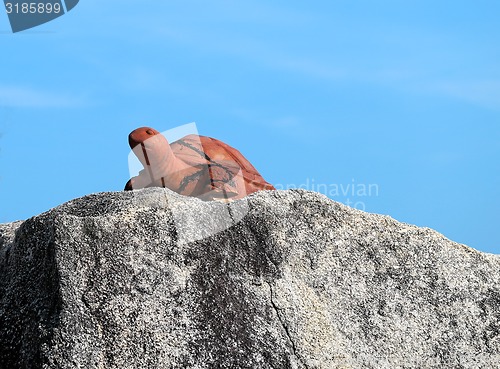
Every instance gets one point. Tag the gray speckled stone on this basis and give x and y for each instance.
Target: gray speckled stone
(149, 279)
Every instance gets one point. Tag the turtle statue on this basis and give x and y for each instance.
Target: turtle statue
(194, 165)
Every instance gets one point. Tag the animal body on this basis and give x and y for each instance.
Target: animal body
(194, 165)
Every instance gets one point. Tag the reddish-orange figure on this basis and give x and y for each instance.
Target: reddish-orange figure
(193, 166)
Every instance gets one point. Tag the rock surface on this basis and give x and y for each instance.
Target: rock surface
(150, 279)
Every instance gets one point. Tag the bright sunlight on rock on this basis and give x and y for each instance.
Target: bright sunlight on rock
(125, 280)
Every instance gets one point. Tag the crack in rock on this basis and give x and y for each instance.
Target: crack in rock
(285, 327)
(112, 280)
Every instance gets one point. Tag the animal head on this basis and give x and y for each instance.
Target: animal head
(140, 135)
(152, 150)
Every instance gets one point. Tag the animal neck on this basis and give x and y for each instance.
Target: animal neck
(161, 165)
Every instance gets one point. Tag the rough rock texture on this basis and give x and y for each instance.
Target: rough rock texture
(143, 279)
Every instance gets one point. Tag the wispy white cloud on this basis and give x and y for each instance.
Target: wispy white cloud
(28, 97)
(417, 67)
(480, 92)
(286, 122)
(249, 48)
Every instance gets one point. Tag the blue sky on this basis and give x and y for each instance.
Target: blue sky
(400, 95)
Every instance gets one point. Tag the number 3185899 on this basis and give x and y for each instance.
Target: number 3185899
(32, 8)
